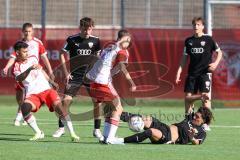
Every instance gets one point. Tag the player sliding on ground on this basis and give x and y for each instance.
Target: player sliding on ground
(190, 130)
(38, 89)
(112, 60)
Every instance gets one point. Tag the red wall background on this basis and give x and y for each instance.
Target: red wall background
(154, 57)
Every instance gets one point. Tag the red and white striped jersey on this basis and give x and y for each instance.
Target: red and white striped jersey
(106, 66)
(35, 47)
(35, 82)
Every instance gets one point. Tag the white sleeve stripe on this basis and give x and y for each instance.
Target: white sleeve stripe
(65, 50)
(218, 49)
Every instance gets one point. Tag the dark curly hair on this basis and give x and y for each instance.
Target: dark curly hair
(19, 44)
(207, 114)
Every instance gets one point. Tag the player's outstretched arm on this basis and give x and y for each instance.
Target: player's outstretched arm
(196, 97)
(48, 66)
(8, 65)
(24, 75)
(127, 75)
(180, 68)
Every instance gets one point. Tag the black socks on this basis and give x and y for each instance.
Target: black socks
(139, 137)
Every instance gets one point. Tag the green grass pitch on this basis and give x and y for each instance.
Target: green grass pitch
(222, 143)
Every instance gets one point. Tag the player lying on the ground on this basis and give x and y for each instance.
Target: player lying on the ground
(38, 89)
(188, 131)
(111, 61)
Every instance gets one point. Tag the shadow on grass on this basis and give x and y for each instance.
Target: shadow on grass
(11, 139)
(15, 134)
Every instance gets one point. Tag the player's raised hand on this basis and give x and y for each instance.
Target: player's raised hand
(212, 67)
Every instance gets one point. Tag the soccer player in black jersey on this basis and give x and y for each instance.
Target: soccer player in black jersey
(199, 48)
(82, 49)
(189, 131)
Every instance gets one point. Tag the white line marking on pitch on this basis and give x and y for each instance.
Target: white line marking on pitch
(86, 123)
(222, 126)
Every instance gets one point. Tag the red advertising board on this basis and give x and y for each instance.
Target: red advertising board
(154, 59)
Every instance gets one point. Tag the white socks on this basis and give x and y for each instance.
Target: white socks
(33, 124)
(110, 128)
(106, 129)
(19, 117)
(67, 122)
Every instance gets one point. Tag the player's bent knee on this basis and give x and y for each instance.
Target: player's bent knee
(34, 107)
(57, 103)
(59, 112)
(156, 134)
(67, 99)
(26, 108)
(119, 109)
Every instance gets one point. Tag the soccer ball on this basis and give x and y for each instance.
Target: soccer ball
(136, 124)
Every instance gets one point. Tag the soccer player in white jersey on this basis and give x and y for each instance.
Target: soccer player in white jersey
(35, 48)
(39, 90)
(112, 60)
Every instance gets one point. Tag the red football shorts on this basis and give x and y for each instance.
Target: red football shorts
(48, 97)
(103, 93)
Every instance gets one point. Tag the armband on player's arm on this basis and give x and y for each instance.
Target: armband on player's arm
(183, 60)
(181, 65)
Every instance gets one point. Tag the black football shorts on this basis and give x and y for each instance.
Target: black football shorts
(166, 133)
(73, 86)
(195, 84)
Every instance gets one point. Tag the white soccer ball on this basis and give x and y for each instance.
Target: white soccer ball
(136, 124)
